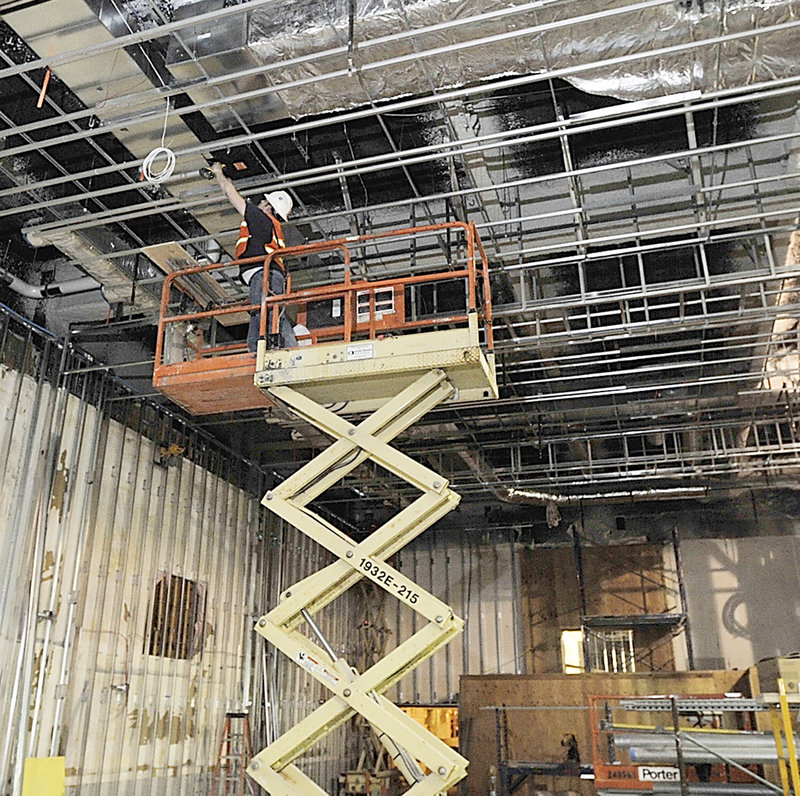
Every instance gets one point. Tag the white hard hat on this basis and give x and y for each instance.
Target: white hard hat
(281, 202)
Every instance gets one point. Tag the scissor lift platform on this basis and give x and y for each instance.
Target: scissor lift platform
(396, 365)
(361, 376)
(376, 346)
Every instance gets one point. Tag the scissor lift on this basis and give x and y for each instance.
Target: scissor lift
(399, 368)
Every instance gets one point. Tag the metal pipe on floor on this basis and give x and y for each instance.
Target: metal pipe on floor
(756, 748)
(711, 789)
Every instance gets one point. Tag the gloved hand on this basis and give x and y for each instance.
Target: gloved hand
(214, 170)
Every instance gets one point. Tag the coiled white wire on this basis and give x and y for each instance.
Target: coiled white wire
(147, 164)
(167, 169)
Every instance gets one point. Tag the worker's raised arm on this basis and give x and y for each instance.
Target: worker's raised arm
(232, 195)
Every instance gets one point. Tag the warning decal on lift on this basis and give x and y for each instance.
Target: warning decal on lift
(315, 667)
(360, 351)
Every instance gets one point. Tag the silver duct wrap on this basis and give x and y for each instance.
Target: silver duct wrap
(588, 47)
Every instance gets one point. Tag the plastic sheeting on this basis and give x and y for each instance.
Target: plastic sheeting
(294, 30)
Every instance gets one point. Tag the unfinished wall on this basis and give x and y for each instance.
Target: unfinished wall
(132, 586)
(479, 578)
(620, 580)
(743, 598)
(135, 558)
(516, 601)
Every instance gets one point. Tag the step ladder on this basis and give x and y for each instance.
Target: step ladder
(235, 749)
(427, 763)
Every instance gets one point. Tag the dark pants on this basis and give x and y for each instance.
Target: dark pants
(277, 284)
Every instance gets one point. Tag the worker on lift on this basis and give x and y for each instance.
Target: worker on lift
(260, 232)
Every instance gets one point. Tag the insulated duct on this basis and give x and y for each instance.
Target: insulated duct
(117, 276)
(656, 493)
(480, 41)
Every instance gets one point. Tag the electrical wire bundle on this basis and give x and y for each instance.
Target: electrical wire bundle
(148, 173)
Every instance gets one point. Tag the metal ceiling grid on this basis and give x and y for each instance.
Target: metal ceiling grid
(639, 247)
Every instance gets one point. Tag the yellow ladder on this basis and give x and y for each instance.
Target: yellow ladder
(784, 742)
(410, 745)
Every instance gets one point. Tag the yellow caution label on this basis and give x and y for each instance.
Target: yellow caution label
(44, 776)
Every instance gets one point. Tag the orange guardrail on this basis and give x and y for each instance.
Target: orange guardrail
(359, 299)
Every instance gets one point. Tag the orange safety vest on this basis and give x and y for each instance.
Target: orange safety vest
(273, 245)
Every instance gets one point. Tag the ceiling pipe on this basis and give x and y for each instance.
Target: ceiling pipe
(578, 307)
(295, 179)
(660, 493)
(718, 320)
(171, 203)
(69, 287)
(719, 98)
(665, 349)
(714, 237)
(613, 116)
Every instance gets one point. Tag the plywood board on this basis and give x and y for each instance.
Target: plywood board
(558, 703)
(621, 580)
(202, 287)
